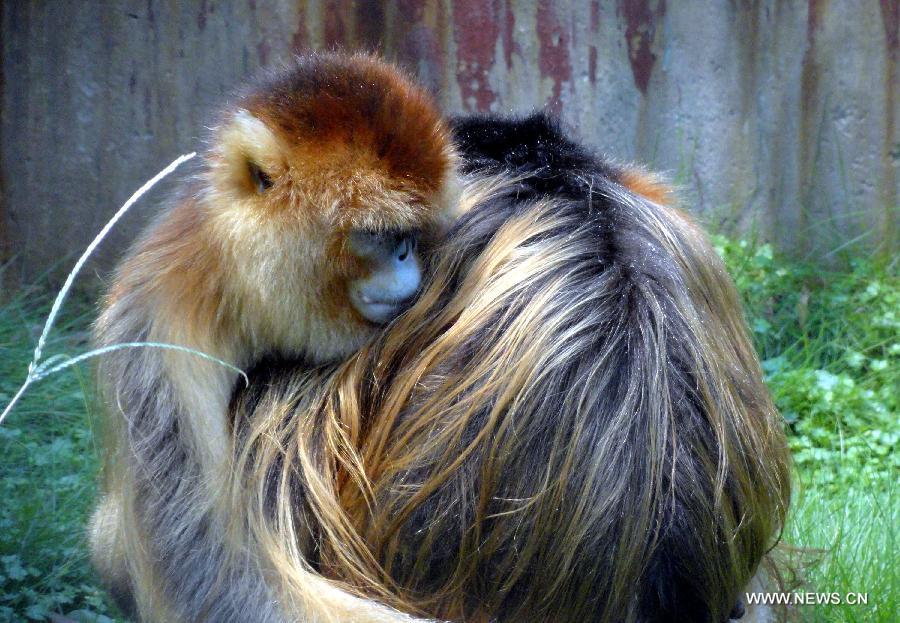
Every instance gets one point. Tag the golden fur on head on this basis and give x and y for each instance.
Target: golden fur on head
(345, 143)
(569, 425)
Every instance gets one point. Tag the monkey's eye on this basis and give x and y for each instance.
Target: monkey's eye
(260, 180)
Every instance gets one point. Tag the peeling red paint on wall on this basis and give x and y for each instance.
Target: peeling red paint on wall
(553, 52)
(641, 18)
(476, 29)
(490, 48)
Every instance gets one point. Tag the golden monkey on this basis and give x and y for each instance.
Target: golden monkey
(300, 235)
(569, 425)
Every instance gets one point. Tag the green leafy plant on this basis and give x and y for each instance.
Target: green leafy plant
(830, 344)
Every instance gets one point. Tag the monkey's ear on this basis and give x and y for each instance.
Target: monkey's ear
(251, 156)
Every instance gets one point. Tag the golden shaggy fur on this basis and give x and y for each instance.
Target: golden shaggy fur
(569, 425)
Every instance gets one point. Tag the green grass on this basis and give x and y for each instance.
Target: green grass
(47, 472)
(830, 345)
(855, 534)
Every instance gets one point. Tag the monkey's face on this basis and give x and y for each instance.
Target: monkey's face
(325, 236)
(394, 274)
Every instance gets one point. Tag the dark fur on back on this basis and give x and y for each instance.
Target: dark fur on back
(570, 425)
(534, 147)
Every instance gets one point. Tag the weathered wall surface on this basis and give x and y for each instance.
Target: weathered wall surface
(778, 115)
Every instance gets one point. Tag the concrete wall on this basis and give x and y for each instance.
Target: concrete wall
(776, 115)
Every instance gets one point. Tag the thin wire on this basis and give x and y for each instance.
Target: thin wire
(34, 370)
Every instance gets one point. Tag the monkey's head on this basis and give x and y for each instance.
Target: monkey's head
(326, 183)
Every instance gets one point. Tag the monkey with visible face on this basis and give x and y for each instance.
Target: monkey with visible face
(304, 231)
